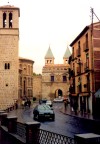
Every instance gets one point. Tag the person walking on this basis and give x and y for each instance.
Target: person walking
(75, 107)
(65, 104)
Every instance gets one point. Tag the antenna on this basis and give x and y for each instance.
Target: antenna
(92, 11)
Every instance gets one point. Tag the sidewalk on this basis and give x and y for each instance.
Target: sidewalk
(68, 111)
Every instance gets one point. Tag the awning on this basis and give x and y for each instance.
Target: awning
(97, 94)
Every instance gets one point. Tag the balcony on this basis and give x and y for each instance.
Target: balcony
(87, 87)
(85, 47)
(78, 70)
(86, 67)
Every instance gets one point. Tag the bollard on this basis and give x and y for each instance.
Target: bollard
(12, 124)
(3, 120)
(32, 132)
(88, 138)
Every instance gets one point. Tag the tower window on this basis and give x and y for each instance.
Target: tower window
(7, 65)
(64, 78)
(52, 78)
(10, 20)
(4, 20)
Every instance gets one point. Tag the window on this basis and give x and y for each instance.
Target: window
(10, 20)
(7, 66)
(4, 20)
(64, 78)
(50, 61)
(52, 78)
(86, 40)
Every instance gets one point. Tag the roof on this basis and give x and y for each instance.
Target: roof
(82, 33)
(25, 59)
(78, 37)
(67, 53)
(10, 7)
(49, 53)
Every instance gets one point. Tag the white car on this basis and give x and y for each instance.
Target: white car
(58, 99)
(48, 102)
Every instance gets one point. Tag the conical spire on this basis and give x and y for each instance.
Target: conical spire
(67, 53)
(49, 54)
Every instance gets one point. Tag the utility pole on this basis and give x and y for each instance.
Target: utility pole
(92, 53)
(92, 59)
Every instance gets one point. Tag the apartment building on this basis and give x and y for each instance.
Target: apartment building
(85, 67)
(25, 82)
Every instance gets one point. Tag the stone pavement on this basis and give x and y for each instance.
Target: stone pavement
(69, 111)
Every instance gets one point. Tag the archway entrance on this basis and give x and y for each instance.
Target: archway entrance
(58, 93)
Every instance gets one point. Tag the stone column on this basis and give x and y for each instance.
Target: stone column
(88, 138)
(32, 132)
(12, 124)
(3, 120)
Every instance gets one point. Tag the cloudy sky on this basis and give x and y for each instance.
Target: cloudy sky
(51, 22)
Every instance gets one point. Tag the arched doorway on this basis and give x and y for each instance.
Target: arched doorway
(58, 93)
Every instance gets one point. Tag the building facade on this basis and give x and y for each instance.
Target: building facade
(55, 78)
(25, 79)
(37, 86)
(85, 67)
(9, 47)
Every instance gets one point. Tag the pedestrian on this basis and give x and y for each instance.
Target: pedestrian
(16, 104)
(82, 107)
(65, 104)
(75, 107)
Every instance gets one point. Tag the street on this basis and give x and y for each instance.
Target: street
(64, 124)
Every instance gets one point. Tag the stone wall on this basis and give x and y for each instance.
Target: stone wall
(37, 84)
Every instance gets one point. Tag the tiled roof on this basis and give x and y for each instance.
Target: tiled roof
(67, 53)
(49, 54)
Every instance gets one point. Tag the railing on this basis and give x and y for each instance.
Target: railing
(47, 137)
(30, 133)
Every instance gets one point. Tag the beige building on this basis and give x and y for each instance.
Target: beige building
(25, 79)
(9, 47)
(37, 86)
(85, 67)
(55, 78)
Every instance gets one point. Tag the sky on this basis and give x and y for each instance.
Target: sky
(54, 23)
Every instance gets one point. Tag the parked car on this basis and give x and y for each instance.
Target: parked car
(49, 102)
(58, 99)
(43, 112)
(43, 101)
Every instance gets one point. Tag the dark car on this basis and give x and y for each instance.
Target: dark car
(43, 112)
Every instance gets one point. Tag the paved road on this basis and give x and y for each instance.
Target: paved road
(63, 124)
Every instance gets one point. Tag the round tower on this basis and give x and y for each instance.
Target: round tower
(49, 58)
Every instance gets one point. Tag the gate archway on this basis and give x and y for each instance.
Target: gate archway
(58, 93)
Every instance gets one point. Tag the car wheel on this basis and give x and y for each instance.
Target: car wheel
(53, 118)
(37, 116)
(34, 117)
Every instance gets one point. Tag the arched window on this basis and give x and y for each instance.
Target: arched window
(5, 65)
(4, 20)
(10, 20)
(8, 65)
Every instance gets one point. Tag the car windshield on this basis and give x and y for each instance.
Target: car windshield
(44, 107)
